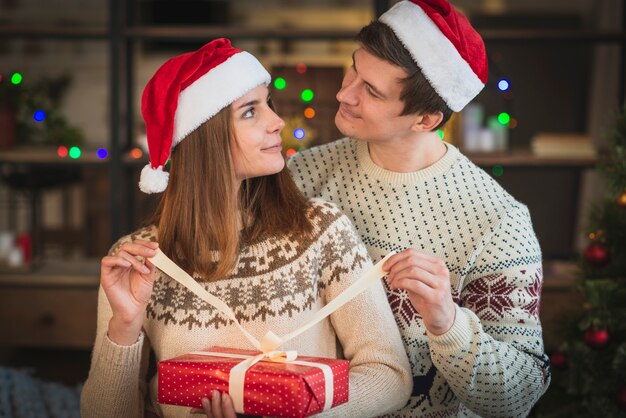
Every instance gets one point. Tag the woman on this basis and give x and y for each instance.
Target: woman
(232, 215)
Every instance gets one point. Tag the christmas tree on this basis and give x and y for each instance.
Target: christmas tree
(589, 370)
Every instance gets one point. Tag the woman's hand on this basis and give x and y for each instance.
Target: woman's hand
(220, 406)
(127, 282)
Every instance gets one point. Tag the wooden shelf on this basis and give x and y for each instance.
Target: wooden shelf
(78, 33)
(53, 273)
(205, 33)
(525, 158)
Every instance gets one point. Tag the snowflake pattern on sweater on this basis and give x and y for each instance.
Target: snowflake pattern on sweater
(492, 362)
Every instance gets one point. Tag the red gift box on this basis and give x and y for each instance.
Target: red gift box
(270, 388)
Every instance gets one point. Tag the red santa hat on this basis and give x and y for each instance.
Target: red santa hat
(187, 91)
(448, 50)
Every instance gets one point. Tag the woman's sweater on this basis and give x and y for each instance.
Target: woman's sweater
(277, 284)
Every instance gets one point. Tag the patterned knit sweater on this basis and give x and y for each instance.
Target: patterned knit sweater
(491, 362)
(278, 284)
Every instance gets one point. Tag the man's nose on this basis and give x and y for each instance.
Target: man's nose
(348, 92)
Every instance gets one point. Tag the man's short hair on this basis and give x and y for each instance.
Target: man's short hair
(417, 93)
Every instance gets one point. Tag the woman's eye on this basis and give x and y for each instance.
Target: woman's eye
(248, 113)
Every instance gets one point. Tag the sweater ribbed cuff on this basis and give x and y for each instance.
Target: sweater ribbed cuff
(457, 337)
(119, 360)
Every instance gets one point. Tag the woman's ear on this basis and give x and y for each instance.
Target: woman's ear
(427, 122)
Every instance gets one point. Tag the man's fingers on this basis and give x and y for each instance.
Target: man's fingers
(416, 274)
(412, 254)
(414, 286)
(228, 407)
(216, 404)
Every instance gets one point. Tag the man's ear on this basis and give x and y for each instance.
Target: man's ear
(427, 122)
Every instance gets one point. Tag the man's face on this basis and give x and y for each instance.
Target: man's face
(369, 100)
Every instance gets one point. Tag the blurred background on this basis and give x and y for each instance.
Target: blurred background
(72, 140)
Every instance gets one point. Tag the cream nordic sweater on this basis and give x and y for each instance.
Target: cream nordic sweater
(492, 360)
(277, 285)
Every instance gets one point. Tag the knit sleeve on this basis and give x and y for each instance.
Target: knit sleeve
(116, 384)
(493, 357)
(380, 376)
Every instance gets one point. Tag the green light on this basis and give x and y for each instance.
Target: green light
(280, 83)
(307, 95)
(504, 118)
(16, 78)
(74, 152)
(497, 170)
(440, 133)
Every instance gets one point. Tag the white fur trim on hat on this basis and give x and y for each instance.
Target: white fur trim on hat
(449, 74)
(215, 90)
(153, 180)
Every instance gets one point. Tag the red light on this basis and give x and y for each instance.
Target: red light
(62, 151)
(301, 68)
(290, 152)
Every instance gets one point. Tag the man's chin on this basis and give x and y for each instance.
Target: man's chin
(344, 126)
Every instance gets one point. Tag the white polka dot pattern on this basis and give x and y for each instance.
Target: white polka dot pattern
(270, 389)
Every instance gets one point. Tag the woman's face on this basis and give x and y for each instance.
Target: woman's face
(257, 146)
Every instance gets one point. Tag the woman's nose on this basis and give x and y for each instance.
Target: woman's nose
(277, 124)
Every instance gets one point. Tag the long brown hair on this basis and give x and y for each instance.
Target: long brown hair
(417, 93)
(200, 213)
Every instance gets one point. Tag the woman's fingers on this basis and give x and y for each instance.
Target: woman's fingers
(112, 262)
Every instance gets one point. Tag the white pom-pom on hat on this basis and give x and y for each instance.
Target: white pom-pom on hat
(153, 180)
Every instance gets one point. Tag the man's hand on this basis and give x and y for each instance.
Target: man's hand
(427, 280)
(220, 406)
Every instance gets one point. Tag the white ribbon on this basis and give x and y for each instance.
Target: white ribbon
(270, 341)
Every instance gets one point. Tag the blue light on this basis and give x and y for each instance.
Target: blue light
(39, 115)
(298, 133)
(102, 153)
(503, 84)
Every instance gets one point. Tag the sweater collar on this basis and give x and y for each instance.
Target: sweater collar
(372, 170)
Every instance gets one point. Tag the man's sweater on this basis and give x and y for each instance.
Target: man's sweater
(278, 284)
(492, 359)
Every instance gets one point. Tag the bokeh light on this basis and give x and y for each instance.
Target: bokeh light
(62, 151)
(307, 95)
(280, 83)
(513, 123)
(102, 153)
(309, 113)
(440, 133)
(39, 115)
(299, 133)
(503, 84)
(301, 68)
(16, 78)
(75, 152)
(136, 153)
(497, 170)
(504, 118)
(290, 152)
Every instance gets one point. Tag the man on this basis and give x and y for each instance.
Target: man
(466, 281)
